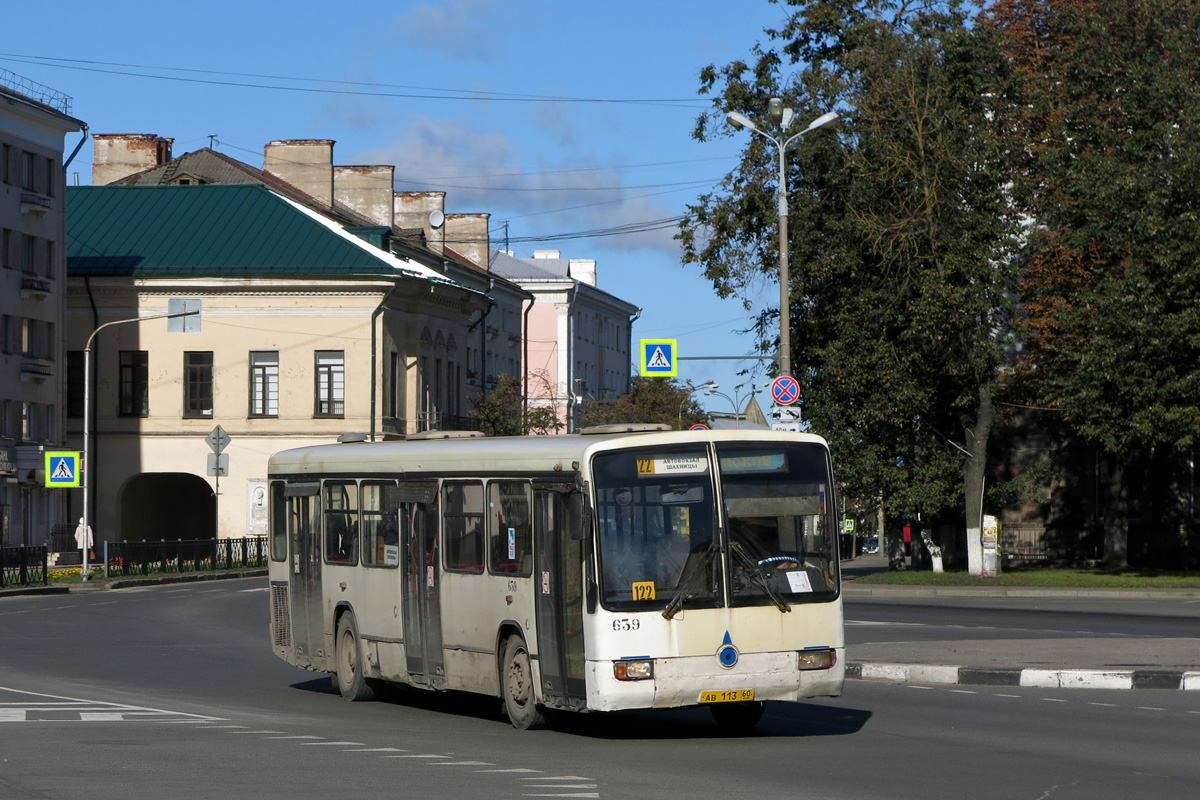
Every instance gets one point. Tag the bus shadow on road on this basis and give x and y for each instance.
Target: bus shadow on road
(780, 720)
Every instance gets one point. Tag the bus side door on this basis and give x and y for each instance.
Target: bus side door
(308, 607)
(422, 580)
(558, 582)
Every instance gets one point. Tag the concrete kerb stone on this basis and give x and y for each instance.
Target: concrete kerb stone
(1029, 678)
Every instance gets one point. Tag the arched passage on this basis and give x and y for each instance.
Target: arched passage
(167, 505)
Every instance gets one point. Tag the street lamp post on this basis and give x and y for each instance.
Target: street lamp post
(711, 387)
(86, 477)
(783, 116)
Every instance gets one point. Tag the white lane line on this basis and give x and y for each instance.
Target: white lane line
(1017, 696)
(293, 737)
(331, 744)
(462, 764)
(561, 778)
(245, 591)
(1105, 705)
(1150, 708)
(423, 755)
(12, 715)
(1052, 700)
(518, 769)
(564, 794)
(258, 731)
(377, 750)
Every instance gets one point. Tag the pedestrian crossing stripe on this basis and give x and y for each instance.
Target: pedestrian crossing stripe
(658, 358)
(62, 469)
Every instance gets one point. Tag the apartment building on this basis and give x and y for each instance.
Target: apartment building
(34, 121)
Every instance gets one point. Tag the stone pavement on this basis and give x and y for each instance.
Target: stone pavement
(1094, 662)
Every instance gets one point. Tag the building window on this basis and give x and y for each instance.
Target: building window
(393, 405)
(28, 171)
(134, 384)
(331, 383)
(29, 254)
(198, 384)
(5, 168)
(264, 384)
(75, 383)
(6, 240)
(183, 324)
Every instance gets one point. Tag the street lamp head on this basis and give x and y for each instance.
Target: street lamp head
(775, 109)
(740, 121)
(824, 119)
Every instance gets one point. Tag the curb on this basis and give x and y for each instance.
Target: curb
(852, 589)
(1183, 680)
(100, 584)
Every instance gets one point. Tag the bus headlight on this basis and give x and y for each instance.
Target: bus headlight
(639, 669)
(817, 659)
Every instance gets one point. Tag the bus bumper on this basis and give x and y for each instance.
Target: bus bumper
(679, 682)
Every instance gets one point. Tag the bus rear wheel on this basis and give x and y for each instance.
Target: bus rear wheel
(516, 682)
(738, 717)
(348, 656)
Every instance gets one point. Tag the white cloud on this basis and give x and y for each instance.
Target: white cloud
(459, 28)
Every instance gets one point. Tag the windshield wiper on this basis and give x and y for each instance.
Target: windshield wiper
(756, 572)
(692, 569)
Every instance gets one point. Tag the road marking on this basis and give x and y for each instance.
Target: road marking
(1052, 700)
(462, 764)
(328, 744)
(423, 755)
(57, 708)
(246, 591)
(377, 750)
(1150, 708)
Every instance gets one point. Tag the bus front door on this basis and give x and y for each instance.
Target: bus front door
(559, 586)
(422, 586)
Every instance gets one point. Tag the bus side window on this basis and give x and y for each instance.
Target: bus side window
(510, 544)
(341, 522)
(278, 512)
(463, 525)
(380, 523)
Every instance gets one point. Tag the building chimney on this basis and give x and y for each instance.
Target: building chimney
(117, 155)
(467, 235)
(423, 210)
(306, 164)
(546, 254)
(367, 190)
(582, 270)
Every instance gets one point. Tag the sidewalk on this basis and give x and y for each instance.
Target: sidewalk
(1092, 662)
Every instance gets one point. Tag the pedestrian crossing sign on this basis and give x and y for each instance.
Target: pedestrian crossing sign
(658, 358)
(62, 470)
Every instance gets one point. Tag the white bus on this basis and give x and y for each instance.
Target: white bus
(596, 571)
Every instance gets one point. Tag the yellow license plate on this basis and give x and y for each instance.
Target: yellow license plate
(728, 696)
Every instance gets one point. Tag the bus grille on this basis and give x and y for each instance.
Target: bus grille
(281, 618)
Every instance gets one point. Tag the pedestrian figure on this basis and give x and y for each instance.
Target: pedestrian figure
(83, 536)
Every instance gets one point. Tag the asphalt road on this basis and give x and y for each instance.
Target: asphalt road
(173, 691)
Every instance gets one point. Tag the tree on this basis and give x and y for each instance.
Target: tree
(503, 412)
(904, 277)
(661, 401)
(1103, 158)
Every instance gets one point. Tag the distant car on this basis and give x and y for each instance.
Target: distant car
(871, 545)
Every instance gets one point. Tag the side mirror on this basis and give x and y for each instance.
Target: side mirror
(581, 516)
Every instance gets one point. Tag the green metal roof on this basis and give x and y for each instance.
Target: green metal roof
(211, 231)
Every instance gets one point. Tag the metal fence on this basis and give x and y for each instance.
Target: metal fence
(124, 559)
(23, 566)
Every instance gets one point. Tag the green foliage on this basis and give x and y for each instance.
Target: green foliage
(655, 401)
(503, 411)
(899, 232)
(1104, 157)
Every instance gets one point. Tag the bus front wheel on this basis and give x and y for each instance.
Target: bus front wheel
(738, 717)
(516, 681)
(350, 680)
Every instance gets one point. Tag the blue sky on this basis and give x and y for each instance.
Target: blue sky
(557, 118)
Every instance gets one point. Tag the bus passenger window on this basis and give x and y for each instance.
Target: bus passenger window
(278, 511)
(510, 546)
(341, 522)
(380, 525)
(463, 525)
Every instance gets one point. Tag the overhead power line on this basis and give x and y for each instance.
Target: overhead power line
(322, 85)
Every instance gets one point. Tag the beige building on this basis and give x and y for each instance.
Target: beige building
(33, 122)
(306, 330)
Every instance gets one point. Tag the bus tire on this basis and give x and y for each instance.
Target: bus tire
(738, 717)
(516, 682)
(348, 657)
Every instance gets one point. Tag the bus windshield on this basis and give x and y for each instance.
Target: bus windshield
(655, 513)
(777, 508)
